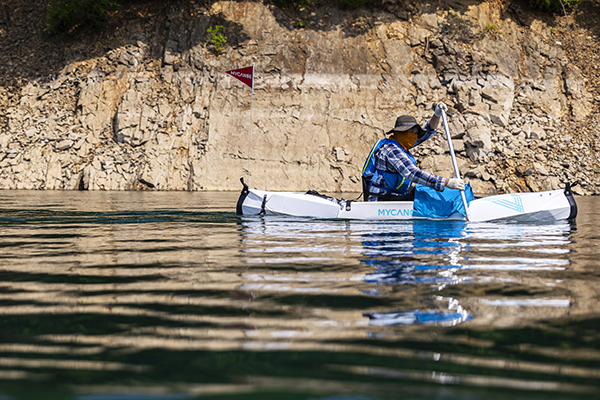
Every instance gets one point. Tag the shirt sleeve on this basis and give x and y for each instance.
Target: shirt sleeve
(405, 167)
(428, 134)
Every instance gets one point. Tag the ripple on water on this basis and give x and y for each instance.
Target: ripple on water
(174, 294)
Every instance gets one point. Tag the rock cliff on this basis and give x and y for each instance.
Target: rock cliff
(149, 106)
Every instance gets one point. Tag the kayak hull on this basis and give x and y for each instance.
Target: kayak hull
(546, 206)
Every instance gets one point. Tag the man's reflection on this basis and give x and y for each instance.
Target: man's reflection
(394, 254)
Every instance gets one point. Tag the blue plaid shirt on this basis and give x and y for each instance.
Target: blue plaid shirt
(390, 158)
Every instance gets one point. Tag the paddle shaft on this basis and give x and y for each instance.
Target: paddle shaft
(454, 163)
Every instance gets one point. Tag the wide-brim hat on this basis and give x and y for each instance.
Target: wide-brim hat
(404, 123)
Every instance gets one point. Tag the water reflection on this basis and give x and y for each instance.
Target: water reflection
(411, 263)
(396, 254)
(154, 295)
(428, 317)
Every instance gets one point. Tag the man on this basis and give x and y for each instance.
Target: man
(391, 171)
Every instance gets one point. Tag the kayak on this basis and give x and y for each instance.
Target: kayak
(548, 206)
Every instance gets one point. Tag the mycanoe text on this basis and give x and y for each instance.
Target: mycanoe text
(400, 212)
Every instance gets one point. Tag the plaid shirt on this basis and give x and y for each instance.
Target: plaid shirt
(390, 158)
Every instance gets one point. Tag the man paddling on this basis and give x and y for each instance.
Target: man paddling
(390, 171)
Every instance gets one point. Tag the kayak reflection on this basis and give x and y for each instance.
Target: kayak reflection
(385, 271)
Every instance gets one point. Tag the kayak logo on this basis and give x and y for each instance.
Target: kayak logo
(393, 212)
(516, 204)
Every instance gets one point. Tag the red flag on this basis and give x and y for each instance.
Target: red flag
(245, 75)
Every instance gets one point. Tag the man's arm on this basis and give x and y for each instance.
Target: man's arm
(429, 132)
(432, 125)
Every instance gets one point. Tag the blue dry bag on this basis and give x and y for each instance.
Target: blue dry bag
(430, 203)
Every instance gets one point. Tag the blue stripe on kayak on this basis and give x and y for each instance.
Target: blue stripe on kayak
(516, 204)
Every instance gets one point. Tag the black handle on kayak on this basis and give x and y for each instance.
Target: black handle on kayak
(243, 195)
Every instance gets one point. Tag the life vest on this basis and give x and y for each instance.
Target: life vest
(392, 182)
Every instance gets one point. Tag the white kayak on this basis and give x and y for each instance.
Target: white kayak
(546, 206)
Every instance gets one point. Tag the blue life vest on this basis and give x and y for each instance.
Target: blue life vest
(392, 182)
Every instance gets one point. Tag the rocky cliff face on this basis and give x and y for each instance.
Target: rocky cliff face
(156, 111)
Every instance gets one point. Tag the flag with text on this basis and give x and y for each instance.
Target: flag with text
(245, 75)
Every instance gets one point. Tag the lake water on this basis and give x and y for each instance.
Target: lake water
(170, 295)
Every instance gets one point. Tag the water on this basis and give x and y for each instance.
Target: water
(150, 295)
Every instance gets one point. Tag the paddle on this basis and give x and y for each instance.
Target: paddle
(454, 164)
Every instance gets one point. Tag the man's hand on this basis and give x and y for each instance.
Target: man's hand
(438, 109)
(455, 183)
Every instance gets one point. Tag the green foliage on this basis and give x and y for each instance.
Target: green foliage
(492, 29)
(300, 23)
(217, 39)
(64, 16)
(352, 3)
(550, 5)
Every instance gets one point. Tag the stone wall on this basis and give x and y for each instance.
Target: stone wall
(159, 113)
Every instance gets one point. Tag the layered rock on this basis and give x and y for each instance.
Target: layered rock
(158, 112)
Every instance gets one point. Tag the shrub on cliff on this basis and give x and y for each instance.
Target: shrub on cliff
(550, 5)
(66, 15)
(217, 39)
